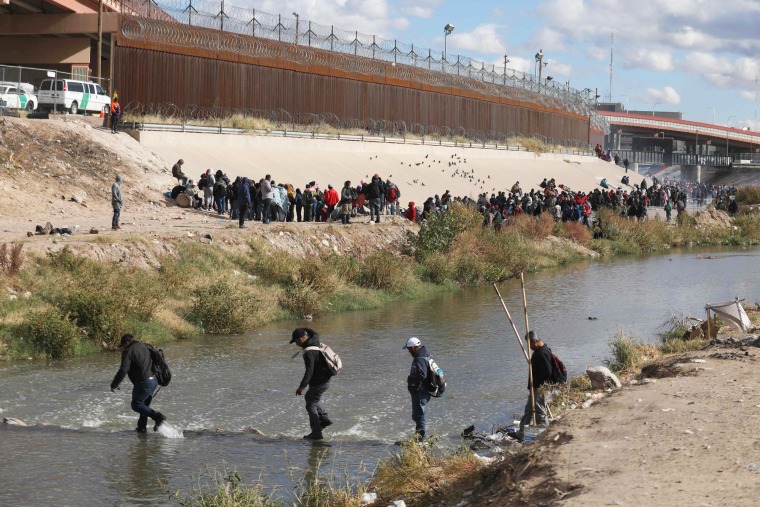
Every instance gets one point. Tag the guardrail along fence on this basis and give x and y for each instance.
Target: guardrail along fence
(215, 27)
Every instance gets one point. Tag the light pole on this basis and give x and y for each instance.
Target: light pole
(713, 110)
(729, 126)
(297, 18)
(654, 106)
(446, 32)
(540, 60)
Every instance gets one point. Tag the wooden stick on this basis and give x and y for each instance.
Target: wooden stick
(514, 328)
(530, 364)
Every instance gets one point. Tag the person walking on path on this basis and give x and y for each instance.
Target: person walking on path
(116, 202)
(416, 382)
(115, 113)
(137, 365)
(541, 363)
(317, 377)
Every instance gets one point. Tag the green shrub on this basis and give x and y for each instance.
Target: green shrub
(301, 299)
(748, 195)
(385, 271)
(222, 308)
(101, 313)
(438, 233)
(437, 268)
(50, 333)
(225, 490)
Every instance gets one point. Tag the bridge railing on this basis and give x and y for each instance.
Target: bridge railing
(703, 160)
(683, 126)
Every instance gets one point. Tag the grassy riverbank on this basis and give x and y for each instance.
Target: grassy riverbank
(62, 304)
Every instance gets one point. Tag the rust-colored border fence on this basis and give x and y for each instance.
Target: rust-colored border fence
(167, 62)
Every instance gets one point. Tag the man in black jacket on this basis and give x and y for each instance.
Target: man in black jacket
(541, 363)
(317, 376)
(373, 192)
(416, 382)
(136, 363)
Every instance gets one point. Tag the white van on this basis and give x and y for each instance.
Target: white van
(13, 98)
(73, 96)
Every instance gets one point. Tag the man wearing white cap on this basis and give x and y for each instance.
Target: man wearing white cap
(416, 383)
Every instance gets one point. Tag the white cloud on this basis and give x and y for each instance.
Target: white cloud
(418, 11)
(667, 95)
(371, 17)
(482, 39)
(556, 68)
(642, 58)
(751, 96)
(721, 70)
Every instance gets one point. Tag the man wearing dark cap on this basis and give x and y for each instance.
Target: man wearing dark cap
(415, 382)
(136, 363)
(316, 376)
(541, 366)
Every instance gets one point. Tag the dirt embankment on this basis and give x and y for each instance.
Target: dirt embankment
(686, 436)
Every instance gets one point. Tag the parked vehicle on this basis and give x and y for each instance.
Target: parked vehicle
(13, 98)
(25, 87)
(73, 96)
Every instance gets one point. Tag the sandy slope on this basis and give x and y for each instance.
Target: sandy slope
(689, 438)
(300, 161)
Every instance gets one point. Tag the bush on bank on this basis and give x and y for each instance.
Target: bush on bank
(208, 289)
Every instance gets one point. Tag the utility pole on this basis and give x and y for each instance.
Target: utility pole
(100, 37)
(612, 45)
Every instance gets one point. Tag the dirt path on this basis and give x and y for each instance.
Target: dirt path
(686, 439)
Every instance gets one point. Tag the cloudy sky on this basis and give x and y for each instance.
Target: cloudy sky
(700, 57)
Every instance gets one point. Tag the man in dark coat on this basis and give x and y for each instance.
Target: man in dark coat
(417, 384)
(317, 376)
(243, 200)
(541, 364)
(137, 364)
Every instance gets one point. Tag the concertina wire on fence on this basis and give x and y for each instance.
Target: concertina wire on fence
(253, 33)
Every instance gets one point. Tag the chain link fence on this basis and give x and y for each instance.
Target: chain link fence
(20, 89)
(460, 71)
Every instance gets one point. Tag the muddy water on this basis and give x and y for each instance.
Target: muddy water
(88, 455)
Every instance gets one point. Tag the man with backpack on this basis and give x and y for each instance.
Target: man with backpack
(546, 370)
(136, 363)
(417, 383)
(316, 376)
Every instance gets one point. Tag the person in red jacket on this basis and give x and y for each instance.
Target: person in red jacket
(411, 212)
(331, 199)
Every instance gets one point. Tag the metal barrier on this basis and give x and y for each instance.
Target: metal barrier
(306, 34)
(305, 134)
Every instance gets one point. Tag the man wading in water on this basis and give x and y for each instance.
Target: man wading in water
(416, 385)
(317, 377)
(136, 363)
(541, 364)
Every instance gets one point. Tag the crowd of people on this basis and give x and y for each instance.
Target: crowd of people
(267, 201)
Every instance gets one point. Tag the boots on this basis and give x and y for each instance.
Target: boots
(314, 435)
(325, 421)
(159, 418)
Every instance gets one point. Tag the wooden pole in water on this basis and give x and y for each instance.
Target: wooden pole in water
(530, 353)
(514, 328)
(709, 335)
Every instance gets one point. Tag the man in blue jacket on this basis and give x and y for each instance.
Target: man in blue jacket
(417, 384)
(317, 376)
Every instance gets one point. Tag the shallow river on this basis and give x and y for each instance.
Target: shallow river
(89, 455)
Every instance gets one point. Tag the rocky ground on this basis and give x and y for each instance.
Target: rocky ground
(683, 435)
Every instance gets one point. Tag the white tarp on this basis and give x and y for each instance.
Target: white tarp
(733, 313)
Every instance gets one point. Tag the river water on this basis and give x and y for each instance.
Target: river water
(83, 451)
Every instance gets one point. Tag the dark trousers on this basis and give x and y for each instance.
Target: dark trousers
(420, 400)
(313, 408)
(115, 219)
(242, 209)
(114, 123)
(142, 395)
(307, 213)
(266, 215)
(299, 209)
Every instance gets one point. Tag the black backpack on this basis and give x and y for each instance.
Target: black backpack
(160, 367)
(559, 372)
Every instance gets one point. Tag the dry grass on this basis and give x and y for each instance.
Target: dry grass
(421, 476)
(11, 258)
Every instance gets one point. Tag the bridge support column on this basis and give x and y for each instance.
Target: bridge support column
(636, 167)
(691, 173)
